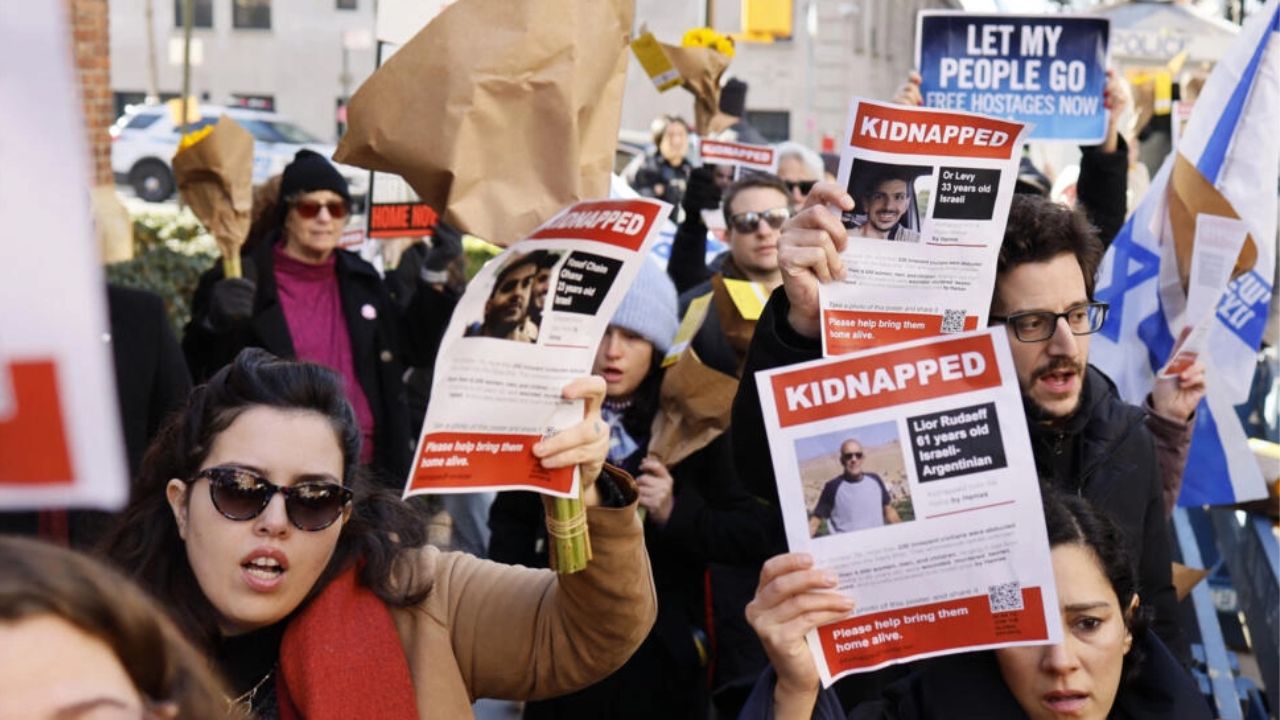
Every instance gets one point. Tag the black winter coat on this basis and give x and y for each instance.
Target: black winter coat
(151, 382)
(1105, 454)
(381, 345)
(665, 678)
(151, 375)
(1102, 190)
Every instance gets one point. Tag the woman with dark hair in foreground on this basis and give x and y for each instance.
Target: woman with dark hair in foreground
(318, 597)
(1108, 665)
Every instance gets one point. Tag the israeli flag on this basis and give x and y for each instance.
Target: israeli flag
(1228, 163)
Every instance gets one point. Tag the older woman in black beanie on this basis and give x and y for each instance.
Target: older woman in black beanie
(303, 297)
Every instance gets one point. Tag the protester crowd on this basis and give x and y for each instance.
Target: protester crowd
(284, 577)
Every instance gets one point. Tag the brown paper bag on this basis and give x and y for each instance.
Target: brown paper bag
(215, 179)
(700, 69)
(499, 113)
(695, 406)
(1185, 579)
(1190, 194)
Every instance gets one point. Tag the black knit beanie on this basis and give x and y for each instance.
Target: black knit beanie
(310, 171)
(733, 98)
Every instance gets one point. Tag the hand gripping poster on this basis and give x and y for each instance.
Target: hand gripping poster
(1045, 70)
(907, 472)
(931, 192)
(529, 323)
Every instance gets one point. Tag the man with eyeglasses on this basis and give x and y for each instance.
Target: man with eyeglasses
(1085, 439)
(852, 500)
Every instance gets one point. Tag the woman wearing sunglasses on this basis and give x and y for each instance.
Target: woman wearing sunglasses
(317, 596)
(302, 297)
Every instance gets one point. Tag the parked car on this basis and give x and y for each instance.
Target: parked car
(631, 144)
(144, 139)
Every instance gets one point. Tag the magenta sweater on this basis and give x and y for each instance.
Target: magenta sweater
(312, 305)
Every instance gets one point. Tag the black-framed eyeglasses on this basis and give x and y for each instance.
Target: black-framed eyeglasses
(847, 456)
(242, 494)
(804, 186)
(747, 222)
(1040, 325)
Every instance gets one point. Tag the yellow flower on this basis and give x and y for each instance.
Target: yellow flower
(192, 138)
(698, 37)
(705, 37)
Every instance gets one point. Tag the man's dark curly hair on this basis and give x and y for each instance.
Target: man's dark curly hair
(1040, 230)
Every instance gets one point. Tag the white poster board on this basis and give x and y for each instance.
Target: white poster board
(60, 440)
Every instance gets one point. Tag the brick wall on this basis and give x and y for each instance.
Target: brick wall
(93, 63)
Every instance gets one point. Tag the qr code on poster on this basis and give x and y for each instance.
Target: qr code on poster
(1005, 597)
(952, 321)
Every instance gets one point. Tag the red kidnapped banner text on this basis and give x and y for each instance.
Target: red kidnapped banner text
(617, 222)
(913, 132)
(894, 377)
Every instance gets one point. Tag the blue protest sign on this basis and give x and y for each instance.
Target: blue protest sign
(1047, 70)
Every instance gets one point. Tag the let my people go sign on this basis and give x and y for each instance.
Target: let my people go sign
(1046, 70)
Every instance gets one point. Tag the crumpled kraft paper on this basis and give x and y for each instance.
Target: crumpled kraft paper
(215, 179)
(499, 113)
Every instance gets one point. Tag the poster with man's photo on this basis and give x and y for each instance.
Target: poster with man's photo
(931, 192)
(529, 322)
(907, 473)
(854, 479)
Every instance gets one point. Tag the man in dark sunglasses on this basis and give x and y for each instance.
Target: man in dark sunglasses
(852, 500)
(1086, 440)
(755, 208)
(711, 510)
(800, 169)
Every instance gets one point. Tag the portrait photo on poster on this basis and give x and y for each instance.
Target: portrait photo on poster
(514, 310)
(854, 479)
(890, 201)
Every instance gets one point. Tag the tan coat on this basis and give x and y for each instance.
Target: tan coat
(502, 631)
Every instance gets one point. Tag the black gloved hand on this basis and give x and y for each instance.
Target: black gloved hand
(446, 246)
(230, 304)
(701, 193)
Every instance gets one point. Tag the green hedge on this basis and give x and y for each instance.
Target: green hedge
(171, 250)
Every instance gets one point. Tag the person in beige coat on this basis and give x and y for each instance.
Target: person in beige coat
(325, 602)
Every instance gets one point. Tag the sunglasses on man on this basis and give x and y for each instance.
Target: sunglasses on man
(847, 456)
(804, 186)
(311, 208)
(747, 222)
(242, 494)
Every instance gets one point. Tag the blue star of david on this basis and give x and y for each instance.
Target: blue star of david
(1132, 266)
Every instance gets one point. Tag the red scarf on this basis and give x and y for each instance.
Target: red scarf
(341, 658)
